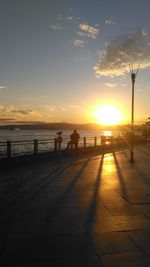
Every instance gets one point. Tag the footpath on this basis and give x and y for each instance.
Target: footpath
(92, 211)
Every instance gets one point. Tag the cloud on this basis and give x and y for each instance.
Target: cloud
(84, 34)
(61, 22)
(51, 108)
(79, 43)
(64, 109)
(56, 108)
(88, 30)
(15, 114)
(2, 87)
(44, 96)
(7, 119)
(124, 85)
(109, 21)
(23, 112)
(60, 17)
(11, 111)
(131, 50)
(72, 18)
(111, 85)
(144, 33)
(1, 108)
(29, 121)
(56, 27)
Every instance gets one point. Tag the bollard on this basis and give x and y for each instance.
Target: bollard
(112, 140)
(55, 144)
(95, 141)
(8, 149)
(59, 146)
(103, 140)
(84, 141)
(35, 146)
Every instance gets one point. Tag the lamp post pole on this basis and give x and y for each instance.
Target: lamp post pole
(133, 76)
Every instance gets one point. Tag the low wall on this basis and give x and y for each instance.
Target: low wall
(57, 155)
(117, 143)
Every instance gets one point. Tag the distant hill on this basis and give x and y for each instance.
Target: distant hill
(55, 126)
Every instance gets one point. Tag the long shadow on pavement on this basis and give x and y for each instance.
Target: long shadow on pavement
(120, 176)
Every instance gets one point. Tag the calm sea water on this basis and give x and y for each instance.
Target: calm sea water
(30, 135)
(45, 140)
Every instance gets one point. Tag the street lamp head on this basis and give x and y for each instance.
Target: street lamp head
(133, 76)
(134, 68)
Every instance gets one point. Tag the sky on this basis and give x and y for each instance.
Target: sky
(63, 59)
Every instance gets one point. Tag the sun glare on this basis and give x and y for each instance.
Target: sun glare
(107, 115)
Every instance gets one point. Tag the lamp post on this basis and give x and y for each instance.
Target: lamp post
(133, 76)
(147, 131)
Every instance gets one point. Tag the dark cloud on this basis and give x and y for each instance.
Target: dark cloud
(6, 119)
(122, 52)
(20, 111)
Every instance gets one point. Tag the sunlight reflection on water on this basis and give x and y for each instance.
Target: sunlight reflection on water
(107, 133)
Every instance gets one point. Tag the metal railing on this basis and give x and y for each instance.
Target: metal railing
(10, 149)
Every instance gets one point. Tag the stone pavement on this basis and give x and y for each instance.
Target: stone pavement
(91, 212)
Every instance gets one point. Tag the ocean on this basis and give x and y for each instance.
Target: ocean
(30, 135)
(22, 141)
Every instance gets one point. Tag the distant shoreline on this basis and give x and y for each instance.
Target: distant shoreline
(69, 126)
(56, 126)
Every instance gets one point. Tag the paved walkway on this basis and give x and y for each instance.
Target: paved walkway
(89, 212)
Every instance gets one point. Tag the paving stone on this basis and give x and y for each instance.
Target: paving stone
(66, 227)
(15, 204)
(92, 262)
(133, 222)
(64, 213)
(125, 259)
(53, 248)
(82, 262)
(114, 242)
(59, 203)
(141, 238)
(102, 225)
(94, 213)
(138, 198)
(88, 203)
(123, 210)
(7, 204)
(28, 264)
(74, 213)
(145, 209)
(114, 200)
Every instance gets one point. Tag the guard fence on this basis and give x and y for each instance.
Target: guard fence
(10, 149)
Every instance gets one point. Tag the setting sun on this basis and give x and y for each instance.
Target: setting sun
(107, 115)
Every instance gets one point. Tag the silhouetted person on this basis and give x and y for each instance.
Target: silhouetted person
(59, 140)
(103, 140)
(74, 140)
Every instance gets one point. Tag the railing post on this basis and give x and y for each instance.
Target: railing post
(59, 146)
(112, 140)
(55, 144)
(84, 141)
(103, 140)
(35, 146)
(8, 149)
(95, 141)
